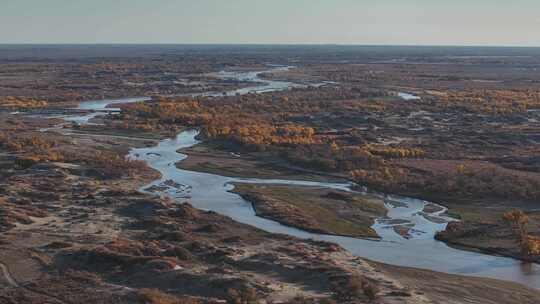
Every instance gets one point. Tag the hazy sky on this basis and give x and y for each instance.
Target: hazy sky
(448, 22)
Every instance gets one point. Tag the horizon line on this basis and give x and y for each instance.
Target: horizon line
(263, 44)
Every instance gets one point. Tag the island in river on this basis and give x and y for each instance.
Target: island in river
(316, 210)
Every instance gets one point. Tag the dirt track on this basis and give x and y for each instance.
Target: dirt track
(7, 276)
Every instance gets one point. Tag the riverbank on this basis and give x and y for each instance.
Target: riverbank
(447, 288)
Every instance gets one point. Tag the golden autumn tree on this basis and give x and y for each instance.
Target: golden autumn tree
(529, 245)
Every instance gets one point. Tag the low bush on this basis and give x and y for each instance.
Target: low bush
(155, 296)
(245, 295)
(355, 287)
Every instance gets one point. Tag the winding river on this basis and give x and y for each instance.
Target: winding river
(211, 192)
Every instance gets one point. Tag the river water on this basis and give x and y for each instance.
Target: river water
(211, 192)
(407, 96)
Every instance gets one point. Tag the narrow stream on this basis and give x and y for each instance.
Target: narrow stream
(211, 192)
(99, 108)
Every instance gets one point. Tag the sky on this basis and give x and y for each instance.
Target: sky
(363, 22)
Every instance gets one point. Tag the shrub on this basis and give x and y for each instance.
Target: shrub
(155, 296)
(348, 289)
(12, 102)
(370, 290)
(25, 162)
(355, 287)
(300, 299)
(113, 165)
(245, 295)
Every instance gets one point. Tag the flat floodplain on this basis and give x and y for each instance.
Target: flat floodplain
(134, 196)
